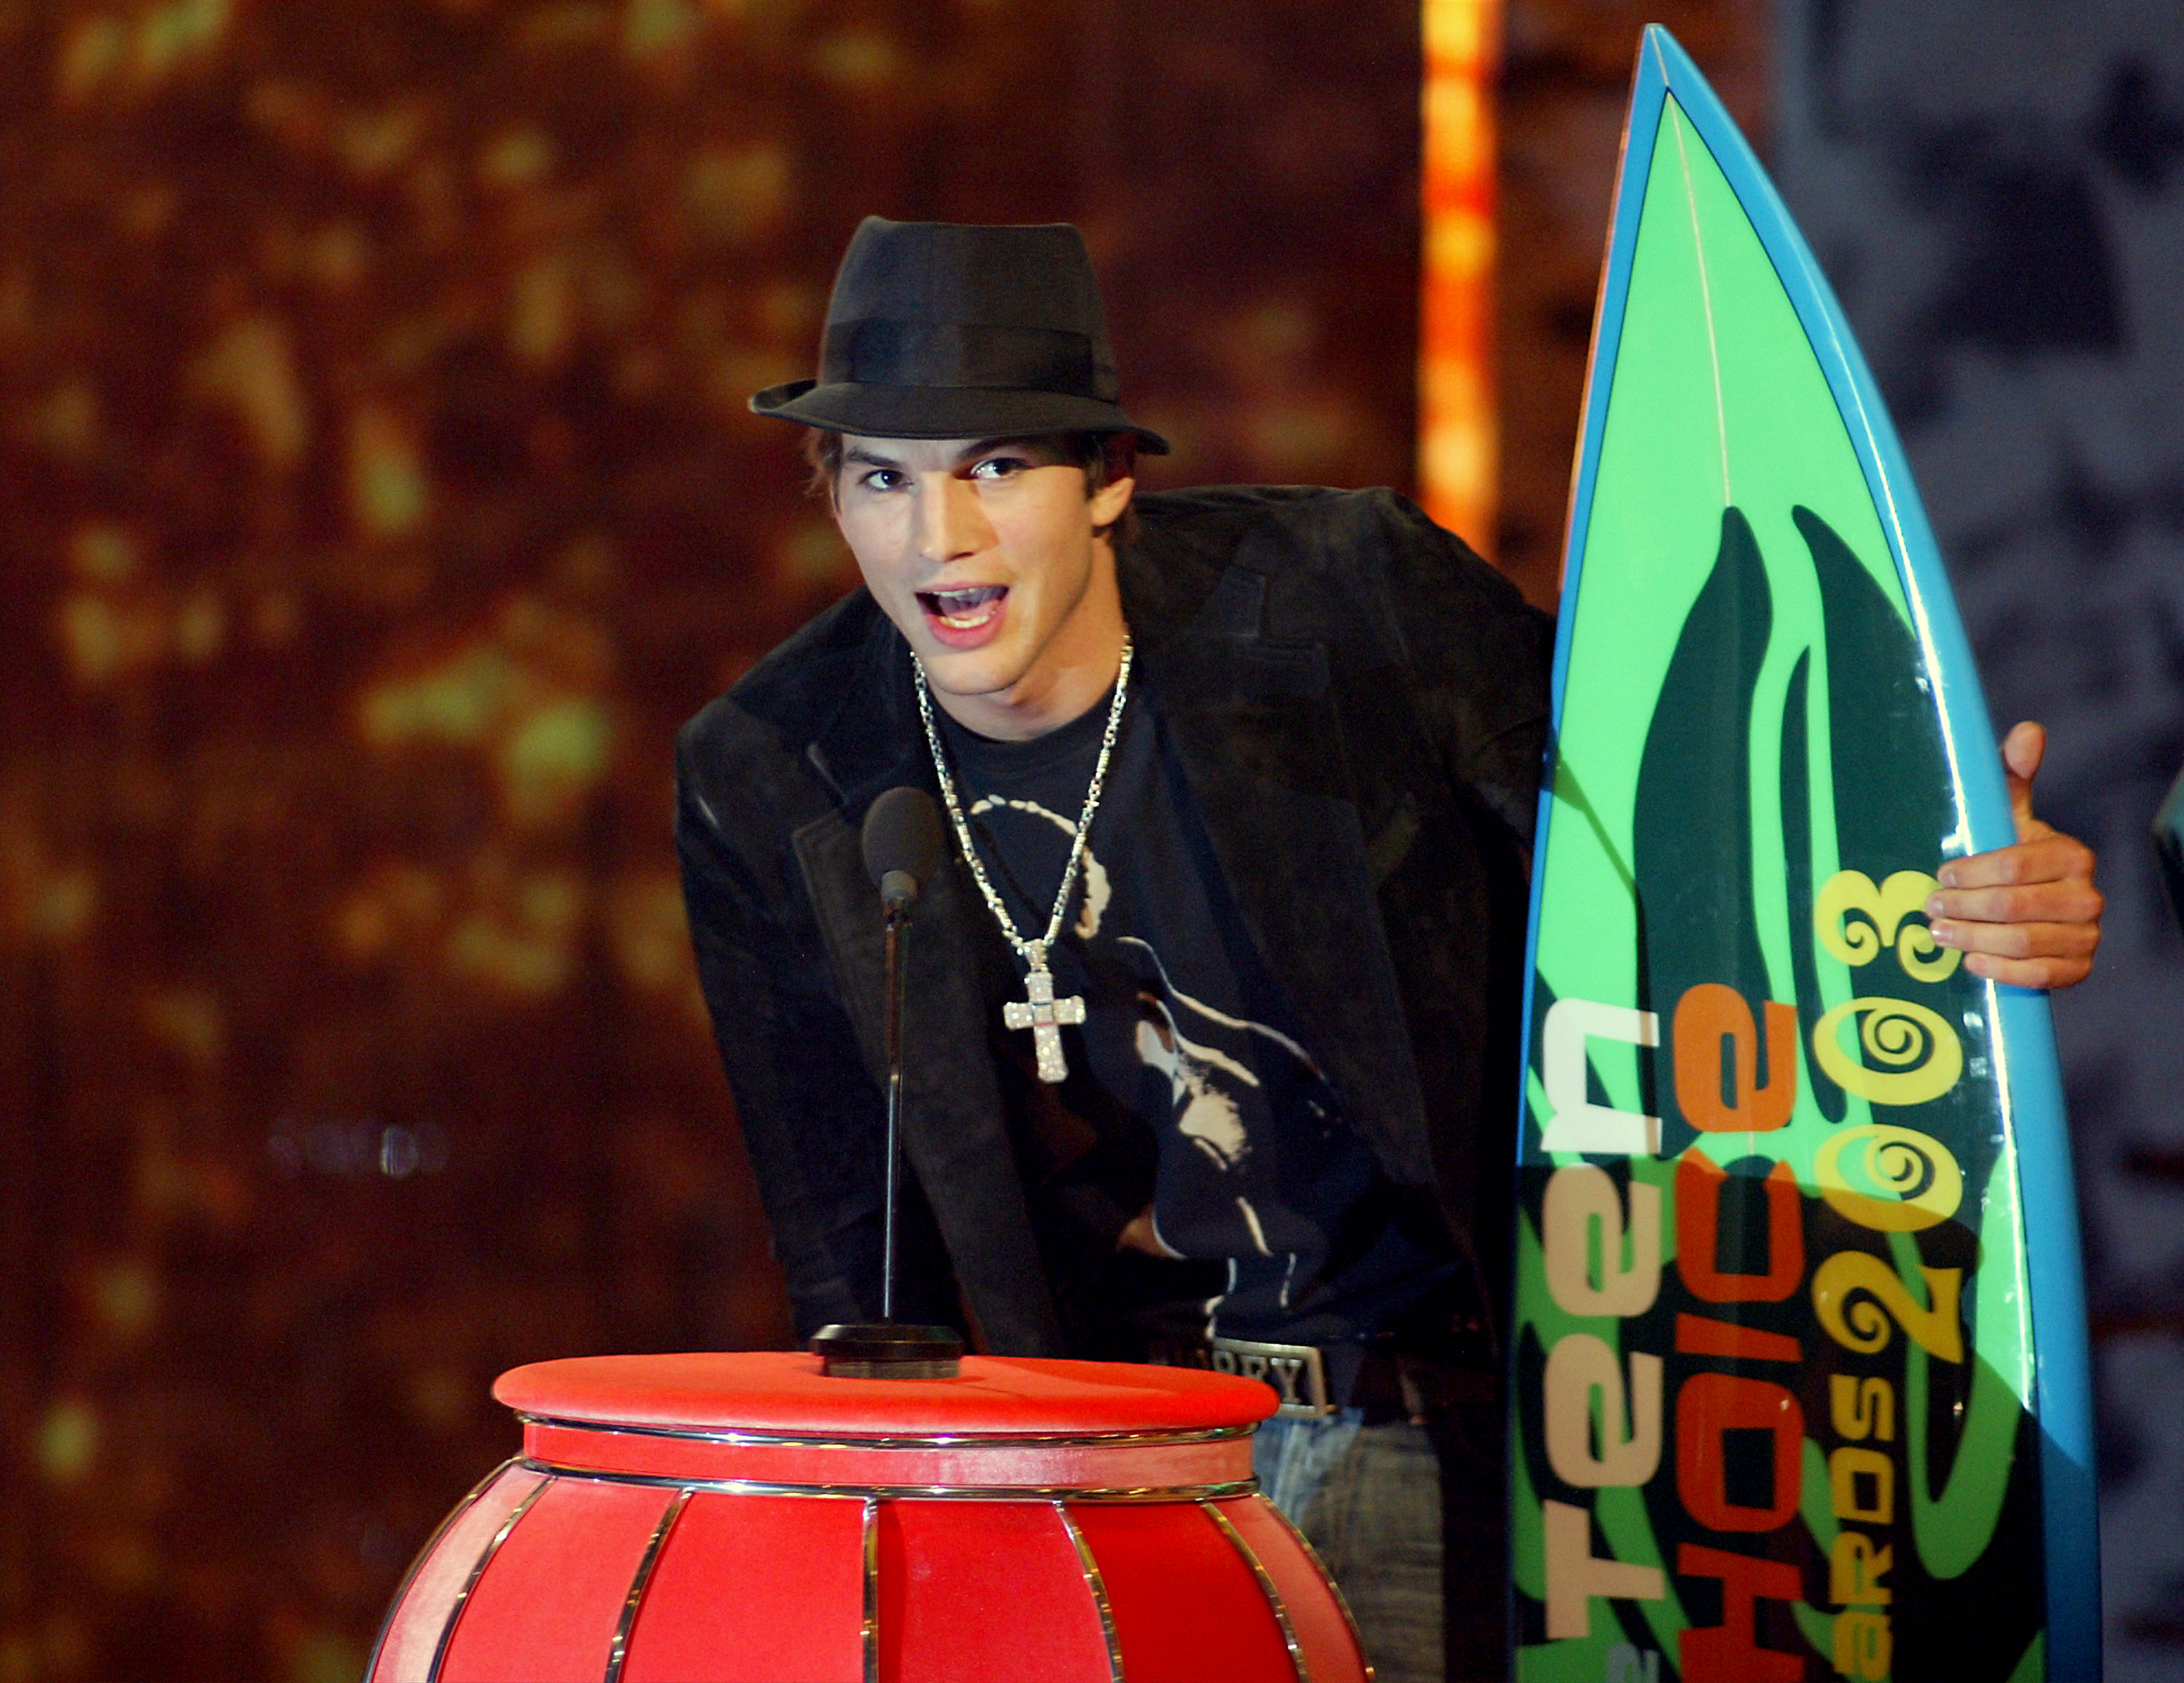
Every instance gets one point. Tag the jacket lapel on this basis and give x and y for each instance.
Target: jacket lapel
(1261, 744)
(955, 1133)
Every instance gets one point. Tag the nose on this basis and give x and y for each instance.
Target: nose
(951, 523)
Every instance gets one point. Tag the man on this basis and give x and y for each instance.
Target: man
(1243, 780)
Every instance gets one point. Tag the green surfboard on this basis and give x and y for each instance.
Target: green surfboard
(1799, 1375)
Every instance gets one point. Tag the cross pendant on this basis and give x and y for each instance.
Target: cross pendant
(1044, 1015)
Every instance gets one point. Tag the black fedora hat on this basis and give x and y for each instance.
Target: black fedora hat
(947, 330)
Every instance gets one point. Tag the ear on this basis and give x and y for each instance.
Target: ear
(1109, 501)
(1121, 481)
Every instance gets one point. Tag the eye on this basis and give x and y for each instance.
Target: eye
(999, 467)
(880, 479)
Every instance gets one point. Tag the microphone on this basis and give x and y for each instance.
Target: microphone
(902, 845)
(903, 848)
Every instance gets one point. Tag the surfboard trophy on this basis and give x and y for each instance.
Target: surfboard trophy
(1799, 1383)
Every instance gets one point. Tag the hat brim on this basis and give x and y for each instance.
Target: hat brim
(946, 412)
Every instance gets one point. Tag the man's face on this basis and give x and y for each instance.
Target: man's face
(988, 554)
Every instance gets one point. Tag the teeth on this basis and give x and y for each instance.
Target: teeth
(961, 609)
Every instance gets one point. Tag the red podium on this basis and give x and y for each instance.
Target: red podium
(747, 1519)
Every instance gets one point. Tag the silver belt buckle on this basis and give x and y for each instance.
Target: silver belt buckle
(1295, 1371)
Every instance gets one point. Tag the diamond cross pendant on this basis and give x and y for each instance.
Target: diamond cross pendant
(1044, 1015)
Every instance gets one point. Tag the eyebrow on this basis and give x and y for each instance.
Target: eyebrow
(867, 458)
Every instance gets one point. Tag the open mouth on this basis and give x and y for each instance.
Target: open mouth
(964, 610)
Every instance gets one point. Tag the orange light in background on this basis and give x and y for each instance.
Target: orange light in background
(1458, 443)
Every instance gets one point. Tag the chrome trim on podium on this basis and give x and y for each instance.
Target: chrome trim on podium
(872, 1632)
(618, 1648)
(741, 1439)
(417, 1561)
(1215, 1492)
(1341, 1600)
(1266, 1587)
(1098, 1586)
(477, 1571)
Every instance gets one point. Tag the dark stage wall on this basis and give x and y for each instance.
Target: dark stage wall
(376, 498)
(1997, 188)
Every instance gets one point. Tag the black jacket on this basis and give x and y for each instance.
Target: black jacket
(1360, 704)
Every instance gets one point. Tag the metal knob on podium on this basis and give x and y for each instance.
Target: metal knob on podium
(750, 1518)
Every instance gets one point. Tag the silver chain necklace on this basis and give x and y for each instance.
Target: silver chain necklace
(1039, 1011)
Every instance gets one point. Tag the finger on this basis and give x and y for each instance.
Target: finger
(2031, 972)
(2022, 751)
(2073, 900)
(2021, 941)
(2052, 857)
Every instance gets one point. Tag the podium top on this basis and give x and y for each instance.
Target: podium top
(784, 1391)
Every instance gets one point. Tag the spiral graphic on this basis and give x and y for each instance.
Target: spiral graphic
(1924, 959)
(1860, 1300)
(1889, 1179)
(1855, 1322)
(1856, 919)
(1854, 938)
(1911, 1054)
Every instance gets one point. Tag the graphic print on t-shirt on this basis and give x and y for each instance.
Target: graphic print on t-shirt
(1092, 888)
(1185, 1029)
(1209, 1090)
(1208, 1074)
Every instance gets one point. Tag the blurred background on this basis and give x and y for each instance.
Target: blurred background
(376, 497)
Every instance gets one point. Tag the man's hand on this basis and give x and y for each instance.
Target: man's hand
(2028, 915)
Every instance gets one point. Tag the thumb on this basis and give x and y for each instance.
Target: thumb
(2022, 751)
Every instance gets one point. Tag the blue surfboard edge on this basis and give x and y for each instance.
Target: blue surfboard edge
(2032, 1083)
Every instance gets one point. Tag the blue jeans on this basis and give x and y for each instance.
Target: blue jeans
(1369, 1498)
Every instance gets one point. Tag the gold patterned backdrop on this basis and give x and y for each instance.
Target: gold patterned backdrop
(376, 497)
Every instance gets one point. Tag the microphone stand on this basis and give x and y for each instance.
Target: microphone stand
(902, 846)
(898, 930)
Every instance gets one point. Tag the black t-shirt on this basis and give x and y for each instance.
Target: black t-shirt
(1191, 1087)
